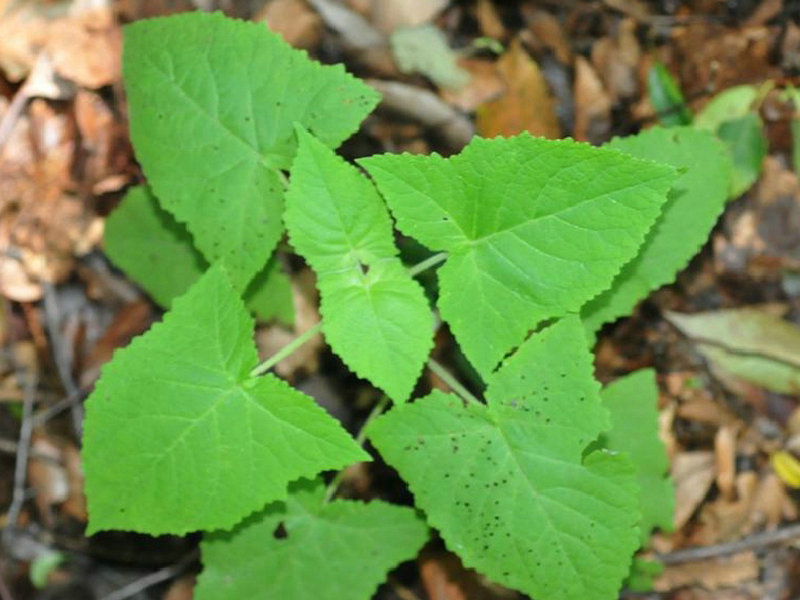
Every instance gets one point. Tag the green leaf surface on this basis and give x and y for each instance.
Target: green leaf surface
(534, 229)
(151, 247)
(747, 146)
(212, 101)
(694, 204)
(331, 551)
(507, 484)
(666, 97)
(269, 296)
(375, 316)
(178, 437)
(633, 404)
(729, 105)
(156, 252)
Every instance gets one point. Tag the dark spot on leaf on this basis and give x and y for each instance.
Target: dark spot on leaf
(280, 532)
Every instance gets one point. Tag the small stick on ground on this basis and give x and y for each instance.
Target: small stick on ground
(154, 578)
(753, 542)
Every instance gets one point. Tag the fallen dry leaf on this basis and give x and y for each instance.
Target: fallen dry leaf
(547, 31)
(725, 457)
(299, 25)
(617, 61)
(489, 21)
(42, 224)
(748, 344)
(592, 105)
(693, 474)
(485, 84)
(87, 48)
(527, 104)
(712, 574)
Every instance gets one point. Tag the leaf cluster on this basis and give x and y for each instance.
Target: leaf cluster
(547, 485)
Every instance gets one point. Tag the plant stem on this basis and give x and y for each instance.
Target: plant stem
(451, 381)
(286, 350)
(376, 411)
(427, 263)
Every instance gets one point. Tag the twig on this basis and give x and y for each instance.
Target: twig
(67, 402)
(154, 578)
(450, 380)
(23, 450)
(376, 411)
(426, 108)
(753, 542)
(356, 32)
(61, 356)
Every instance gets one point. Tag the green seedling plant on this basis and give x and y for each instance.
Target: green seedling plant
(544, 483)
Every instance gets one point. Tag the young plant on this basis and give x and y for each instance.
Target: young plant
(546, 485)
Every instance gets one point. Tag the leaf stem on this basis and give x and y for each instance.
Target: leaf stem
(451, 381)
(427, 263)
(376, 411)
(286, 350)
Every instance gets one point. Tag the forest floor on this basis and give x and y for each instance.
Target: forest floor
(486, 67)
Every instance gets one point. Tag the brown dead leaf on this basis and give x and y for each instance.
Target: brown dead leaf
(527, 104)
(445, 578)
(693, 474)
(131, 320)
(485, 84)
(546, 30)
(489, 21)
(47, 476)
(617, 60)
(760, 238)
(707, 55)
(299, 25)
(104, 144)
(711, 574)
(771, 503)
(41, 222)
(181, 589)
(23, 33)
(725, 457)
(87, 48)
(84, 45)
(592, 105)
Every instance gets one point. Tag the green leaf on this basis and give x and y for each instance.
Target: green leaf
(508, 485)
(269, 296)
(666, 97)
(151, 247)
(156, 251)
(375, 316)
(694, 204)
(179, 437)
(212, 101)
(331, 551)
(642, 575)
(734, 103)
(747, 146)
(633, 404)
(534, 229)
